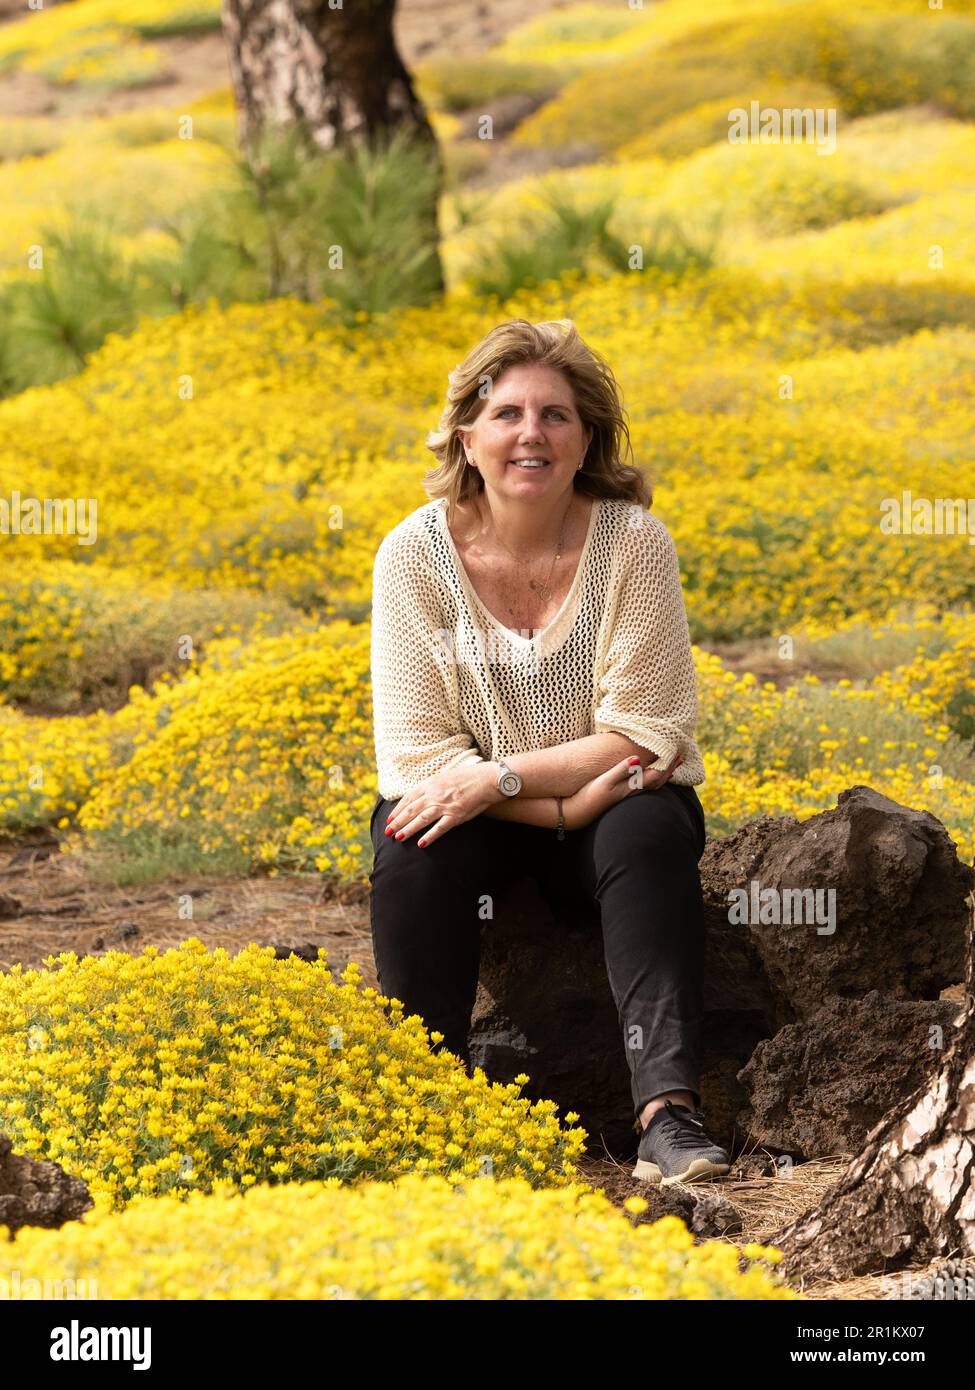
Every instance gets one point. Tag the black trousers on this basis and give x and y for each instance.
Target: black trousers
(637, 863)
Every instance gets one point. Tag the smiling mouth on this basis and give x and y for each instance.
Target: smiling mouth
(529, 465)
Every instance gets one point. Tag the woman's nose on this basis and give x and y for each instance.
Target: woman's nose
(531, 431)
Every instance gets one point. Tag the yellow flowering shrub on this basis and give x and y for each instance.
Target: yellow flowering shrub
(610, 105)
(66, 640)
(577, 35)
(779, 188)
(162, 1072)
(49, 766)
(891, 57)
(301, 444)
(262, 753)
(894, 248)
(30, 135)
(131, 184)
(108, 57)
(416, 1238)
(707, 122)
(792, 750)
(695, 51)
(905, 726)
(939, 683)
(97, 42)
(918, 150)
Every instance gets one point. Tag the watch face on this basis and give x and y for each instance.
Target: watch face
(510, 784)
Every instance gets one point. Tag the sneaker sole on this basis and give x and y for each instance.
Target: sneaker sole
(701, 1170)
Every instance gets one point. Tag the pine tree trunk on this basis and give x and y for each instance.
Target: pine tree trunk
(909, 1196)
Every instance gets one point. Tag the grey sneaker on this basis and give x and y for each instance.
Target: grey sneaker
(674, 1148)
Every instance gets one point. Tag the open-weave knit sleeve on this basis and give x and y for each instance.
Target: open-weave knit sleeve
(414, 677)
(647, 689)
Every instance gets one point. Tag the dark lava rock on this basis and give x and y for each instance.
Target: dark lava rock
(35, 1192)
(819, 1087)
(306, 951)
(665, 1201)
(705, 1212)
(899, 896)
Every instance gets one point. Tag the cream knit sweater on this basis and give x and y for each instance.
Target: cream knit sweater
(452, 684)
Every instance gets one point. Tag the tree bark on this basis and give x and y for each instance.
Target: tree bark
(909, 1196)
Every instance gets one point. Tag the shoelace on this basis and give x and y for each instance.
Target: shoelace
(678, 1134)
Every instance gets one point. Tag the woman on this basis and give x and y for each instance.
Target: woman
(535, 698)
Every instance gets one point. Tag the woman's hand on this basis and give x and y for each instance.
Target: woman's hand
(611, 786)
(442, 801)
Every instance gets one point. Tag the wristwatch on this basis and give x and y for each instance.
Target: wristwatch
(508, 782)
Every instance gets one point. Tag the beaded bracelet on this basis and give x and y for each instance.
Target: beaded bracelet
(561, 825)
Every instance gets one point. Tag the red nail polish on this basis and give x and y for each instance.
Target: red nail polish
(399, 834)
(421, 843)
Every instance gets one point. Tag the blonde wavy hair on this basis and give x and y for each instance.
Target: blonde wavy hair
(555, 343)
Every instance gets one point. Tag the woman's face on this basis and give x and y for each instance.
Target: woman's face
(530, 415)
